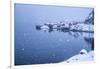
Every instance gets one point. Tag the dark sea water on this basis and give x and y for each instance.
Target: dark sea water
(40, 47)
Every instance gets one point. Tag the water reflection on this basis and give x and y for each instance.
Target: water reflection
(88, 36)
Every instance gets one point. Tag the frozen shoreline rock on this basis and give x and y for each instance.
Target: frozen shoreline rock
(83, 27)
(82, 56)
(44, 27)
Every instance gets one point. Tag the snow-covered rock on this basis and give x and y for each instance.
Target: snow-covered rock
(87, 27)
(44, 27)
(82, 27)
(55, 26)
(65, 26)
(82, 56)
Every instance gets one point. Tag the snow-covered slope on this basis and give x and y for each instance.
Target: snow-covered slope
(82, 56)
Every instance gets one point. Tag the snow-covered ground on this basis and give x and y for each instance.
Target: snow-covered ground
(82, 27)
(82, 56)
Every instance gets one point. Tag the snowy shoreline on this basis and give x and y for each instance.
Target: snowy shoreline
(82, 56)
(67, 27)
